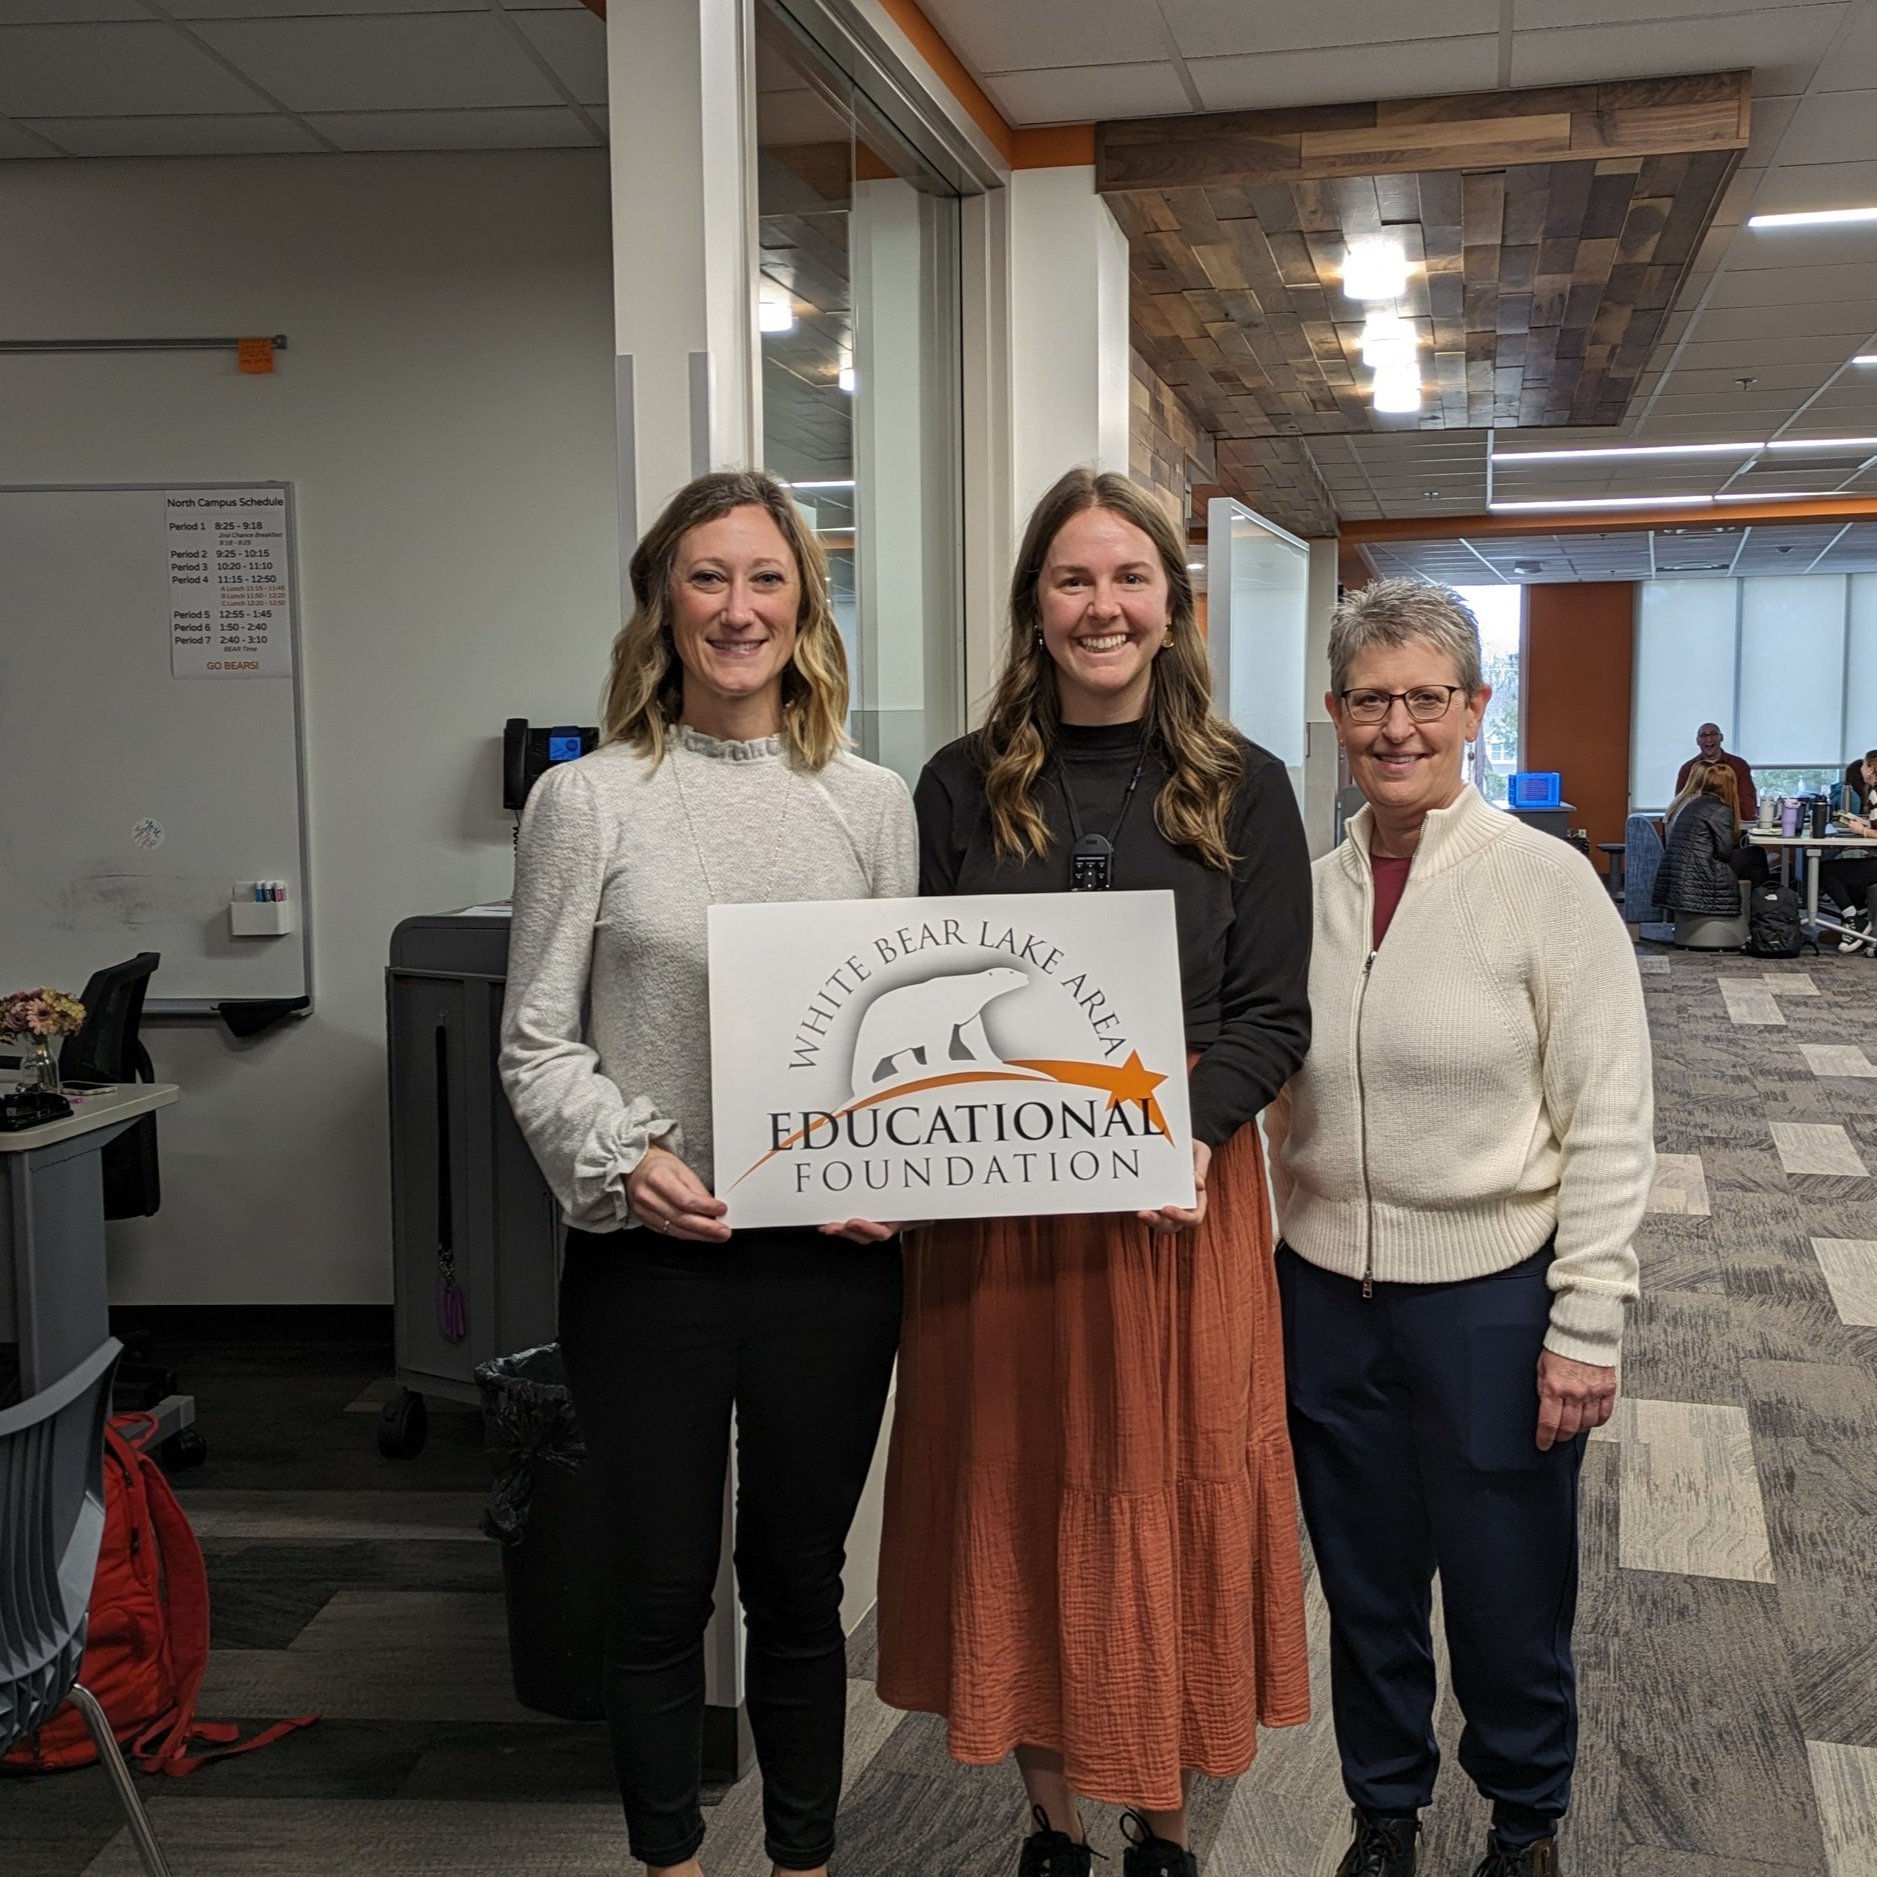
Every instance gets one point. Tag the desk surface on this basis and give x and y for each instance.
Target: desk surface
(122, 1103)
(1830, 838)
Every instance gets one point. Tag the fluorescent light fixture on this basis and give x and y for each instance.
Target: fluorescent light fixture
(1613, 501)
(845, 379)
(1789, 495)
(1375, 270)
(1823, 443)
(1812, 218)
(1865, 358)
(1388, 344)
(837, 482)
(1397, 391)
(1503, 457)
(774, 315)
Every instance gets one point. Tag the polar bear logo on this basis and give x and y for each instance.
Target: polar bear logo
(939, 1024)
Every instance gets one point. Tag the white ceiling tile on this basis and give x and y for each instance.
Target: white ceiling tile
(17, 141)
(261, 135)
(1853, 64)
(453, 130)
(1767, 119)
(1819, 185)
(1229, 28)
(1353, 74)
(1692, 13)
(296, 9)
(1834, 127)
(1782, 46)
(1797, 287)
(147, 69)
(68, 12)
(994, 36)
(401, 62)
(1078, 93)
(1779, 348)
(1851, 320)
(574, 44)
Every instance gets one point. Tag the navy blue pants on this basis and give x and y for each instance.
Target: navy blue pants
(1413, 1414)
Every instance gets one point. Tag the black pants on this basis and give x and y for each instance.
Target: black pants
(662, 1339)
(1413, 1415)
(1849, 882)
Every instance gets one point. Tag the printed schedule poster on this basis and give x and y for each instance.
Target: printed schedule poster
(229, 610)
(948, 1058)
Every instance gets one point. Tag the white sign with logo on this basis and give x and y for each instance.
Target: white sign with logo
(948, 1058)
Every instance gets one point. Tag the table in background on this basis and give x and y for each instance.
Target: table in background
(1814, 846)
(54, 1300)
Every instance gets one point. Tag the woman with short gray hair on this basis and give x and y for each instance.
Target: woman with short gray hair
(1461, 1165)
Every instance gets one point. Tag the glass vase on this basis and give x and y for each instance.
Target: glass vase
(39, 1066)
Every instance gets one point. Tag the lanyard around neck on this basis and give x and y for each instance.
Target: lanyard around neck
(1091, 859)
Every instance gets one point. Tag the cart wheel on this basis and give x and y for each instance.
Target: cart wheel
(403, 1423)
(183, 1450)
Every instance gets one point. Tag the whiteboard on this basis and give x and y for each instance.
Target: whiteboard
(144, 781)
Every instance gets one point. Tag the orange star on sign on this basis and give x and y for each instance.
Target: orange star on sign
(1133, 1081)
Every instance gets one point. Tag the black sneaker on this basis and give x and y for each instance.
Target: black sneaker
(1529, 1860)
(1051, 1853)
(1382, 1847)
(1148, 1856)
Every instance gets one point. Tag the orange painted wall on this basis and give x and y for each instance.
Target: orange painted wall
(1574, 688)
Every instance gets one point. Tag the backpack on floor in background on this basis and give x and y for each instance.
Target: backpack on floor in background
(147, 1632)
(1775, 922)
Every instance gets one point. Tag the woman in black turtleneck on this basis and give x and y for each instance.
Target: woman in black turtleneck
(1091, 1553)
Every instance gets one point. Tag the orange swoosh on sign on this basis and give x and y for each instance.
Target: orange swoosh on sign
(1133, 1081)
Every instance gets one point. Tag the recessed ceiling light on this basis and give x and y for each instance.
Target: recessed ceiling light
(1812, 218)
(774, 314)
(1388, 343)
(1823, 443)
(1500, 457)
(1613, 501)
(845, 379)
(1375, 270)
(1397, 392)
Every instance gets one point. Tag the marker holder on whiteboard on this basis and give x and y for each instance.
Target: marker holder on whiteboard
(260, 918)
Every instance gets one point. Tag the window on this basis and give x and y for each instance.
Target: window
(1500, 611)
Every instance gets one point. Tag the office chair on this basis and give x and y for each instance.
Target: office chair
(106, 1049)
(52, 1485)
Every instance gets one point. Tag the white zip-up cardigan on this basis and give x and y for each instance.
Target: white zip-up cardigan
(1477, 1083)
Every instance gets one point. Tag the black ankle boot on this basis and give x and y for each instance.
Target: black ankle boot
(1382, 1847)
(1051, 1853)
(1148, 1856)
(1529, 1860)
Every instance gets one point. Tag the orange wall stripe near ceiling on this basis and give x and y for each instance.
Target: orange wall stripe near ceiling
(1609, 520)
(1052, 146)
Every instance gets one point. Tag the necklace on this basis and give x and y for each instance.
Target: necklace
(713, 896)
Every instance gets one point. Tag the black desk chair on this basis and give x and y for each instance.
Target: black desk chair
(107, 1049)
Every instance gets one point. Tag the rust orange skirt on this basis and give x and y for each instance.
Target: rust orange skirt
(1091, 1526)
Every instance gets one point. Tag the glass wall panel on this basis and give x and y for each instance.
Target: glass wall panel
(1791, 669)
(1686, 644)
(860, 313)
(1860, 687)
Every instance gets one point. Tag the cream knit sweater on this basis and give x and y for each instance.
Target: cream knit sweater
(1480, 1081)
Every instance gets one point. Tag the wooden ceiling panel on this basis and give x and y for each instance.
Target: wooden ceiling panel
(1548, 233)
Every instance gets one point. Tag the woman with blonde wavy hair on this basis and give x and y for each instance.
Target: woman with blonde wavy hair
(1091, 1551)
(723, 777)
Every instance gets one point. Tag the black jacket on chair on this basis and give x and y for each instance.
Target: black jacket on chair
(1697, 875)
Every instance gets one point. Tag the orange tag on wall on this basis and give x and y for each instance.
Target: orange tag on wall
(254, 355)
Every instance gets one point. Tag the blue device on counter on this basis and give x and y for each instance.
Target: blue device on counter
(1535, 788)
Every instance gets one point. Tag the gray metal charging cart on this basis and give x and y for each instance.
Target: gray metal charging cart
(469, 1207)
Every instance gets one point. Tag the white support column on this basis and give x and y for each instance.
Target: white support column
(682, 119)
(1069, 330)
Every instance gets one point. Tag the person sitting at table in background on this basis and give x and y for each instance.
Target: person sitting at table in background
(1705, 862)
(1849, 878)
(1708, 743)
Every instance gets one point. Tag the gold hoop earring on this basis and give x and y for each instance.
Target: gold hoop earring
(1168, 640)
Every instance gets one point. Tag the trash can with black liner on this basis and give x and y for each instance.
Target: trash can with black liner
(545, 1510)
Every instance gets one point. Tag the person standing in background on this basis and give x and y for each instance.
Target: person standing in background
(1708, 750)
(722, 777)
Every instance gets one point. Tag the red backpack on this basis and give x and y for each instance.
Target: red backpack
(147, 1639)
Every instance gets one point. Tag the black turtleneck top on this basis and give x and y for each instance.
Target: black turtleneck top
(1244, 935)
